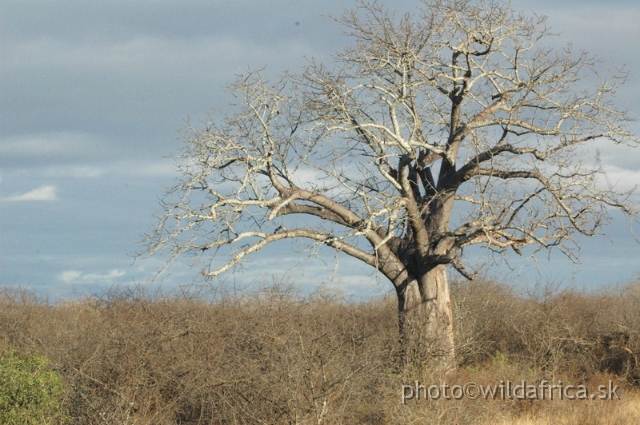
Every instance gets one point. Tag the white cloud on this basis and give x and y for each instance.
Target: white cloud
(620, 179)
(67, 153)
(42, 193)
(70, 276)
(75, 172)
(163, 168)
(77, 277)
(48, 144)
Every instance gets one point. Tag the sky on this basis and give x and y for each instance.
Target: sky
(94, 97)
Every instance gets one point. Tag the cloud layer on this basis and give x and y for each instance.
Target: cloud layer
(42, 193)
(94, 95)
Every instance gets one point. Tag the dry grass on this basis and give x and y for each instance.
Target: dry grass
(626, 411)
(274, 357)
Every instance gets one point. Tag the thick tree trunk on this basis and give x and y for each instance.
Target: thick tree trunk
(426, 322)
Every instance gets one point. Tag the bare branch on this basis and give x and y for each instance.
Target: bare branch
(433, 132)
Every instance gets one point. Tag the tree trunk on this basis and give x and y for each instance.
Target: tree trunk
(426, 322)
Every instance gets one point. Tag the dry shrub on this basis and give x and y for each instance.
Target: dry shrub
(131, 357)
(273, 357)
(551, 332)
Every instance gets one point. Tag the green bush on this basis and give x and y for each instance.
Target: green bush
(30, 391)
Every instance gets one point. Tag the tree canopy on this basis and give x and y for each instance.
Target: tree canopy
(457, 125)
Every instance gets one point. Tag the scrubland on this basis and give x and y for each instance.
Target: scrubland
(276, 357)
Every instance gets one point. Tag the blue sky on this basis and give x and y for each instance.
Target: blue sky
(93, 96)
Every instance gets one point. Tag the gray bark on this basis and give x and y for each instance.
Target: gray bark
(426, 323)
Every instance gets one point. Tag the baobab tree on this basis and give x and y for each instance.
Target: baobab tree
(454, 126)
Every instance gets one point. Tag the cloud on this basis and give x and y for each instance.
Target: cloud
(75, 172)
(70, 276)
(77, 277)
(94, 96)
(51, 147)
(620, 179)
(42, 193)
(138, 169)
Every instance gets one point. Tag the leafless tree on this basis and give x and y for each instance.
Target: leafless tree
(454, 126)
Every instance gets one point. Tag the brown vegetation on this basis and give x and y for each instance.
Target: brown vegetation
(274, 357)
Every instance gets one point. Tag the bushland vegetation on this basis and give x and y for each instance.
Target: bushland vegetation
(277, 357)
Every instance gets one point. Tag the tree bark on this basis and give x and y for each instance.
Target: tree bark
(426, 322)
